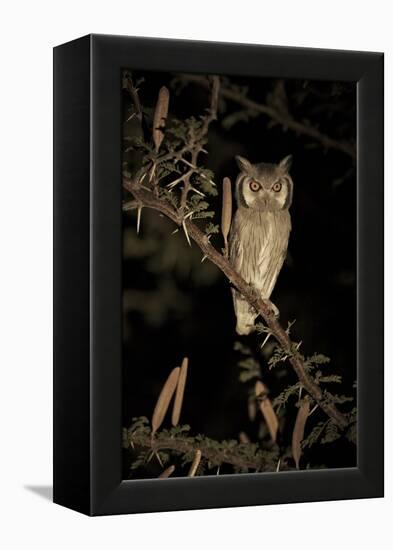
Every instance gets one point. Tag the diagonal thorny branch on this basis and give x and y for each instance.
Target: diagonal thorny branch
(148, 200)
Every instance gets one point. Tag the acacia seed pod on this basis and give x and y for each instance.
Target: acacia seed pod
(160, 116)
(195, 463)
(181, 383)
(243, 438)
(266, 409)
(298, 431)
(164, 399)
(226, 215)
(167, 472)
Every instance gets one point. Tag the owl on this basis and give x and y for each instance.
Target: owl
(259, 234)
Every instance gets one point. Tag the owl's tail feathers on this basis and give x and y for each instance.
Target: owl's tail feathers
(245, 314)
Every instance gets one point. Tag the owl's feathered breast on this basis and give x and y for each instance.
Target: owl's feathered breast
(258, 246)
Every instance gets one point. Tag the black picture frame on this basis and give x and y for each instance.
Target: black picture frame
(87, 275)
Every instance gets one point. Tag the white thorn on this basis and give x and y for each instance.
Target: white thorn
(152, 171)
(130, 206)
(186, 232)
(198, 192)
(150, 457)
(175, 231)
(266, 339)
(138, 221)
(313, 409)
(278, 465)
(203, 259)
(175, 182)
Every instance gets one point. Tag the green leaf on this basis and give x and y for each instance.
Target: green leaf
(203, 215)
(210, 229)
(283, 397)
(351, 433)
(331, 433)
(278, 355)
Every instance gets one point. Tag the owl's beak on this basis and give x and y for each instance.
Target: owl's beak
(263, 200)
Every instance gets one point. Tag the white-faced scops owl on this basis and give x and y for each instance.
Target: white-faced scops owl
(259, 232)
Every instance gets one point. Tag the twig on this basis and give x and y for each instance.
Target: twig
(130, 205)
(196, 141)
(186, 445)
(134, 95)
(282, 118)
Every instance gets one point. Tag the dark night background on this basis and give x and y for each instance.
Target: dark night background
(174, 306)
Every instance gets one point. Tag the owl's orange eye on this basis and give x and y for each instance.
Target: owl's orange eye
(254, 186)
(277, 187)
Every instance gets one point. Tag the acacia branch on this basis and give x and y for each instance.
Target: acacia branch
(185, 445)
(129, 86)
(197, 138)
(148, 200)
(280, 117)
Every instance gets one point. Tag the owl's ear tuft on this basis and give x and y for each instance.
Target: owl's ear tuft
(286, 163)
(244, 164)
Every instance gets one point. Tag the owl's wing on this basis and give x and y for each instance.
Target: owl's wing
(248, 246)
(257, 249)
(236, 249)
